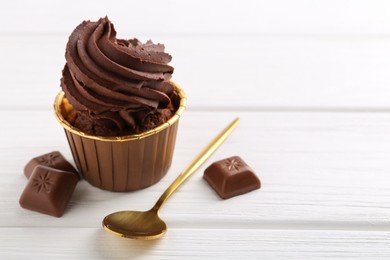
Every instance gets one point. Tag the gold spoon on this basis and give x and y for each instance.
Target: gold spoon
(148, 225)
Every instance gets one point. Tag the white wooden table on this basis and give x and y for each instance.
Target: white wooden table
(311, 83)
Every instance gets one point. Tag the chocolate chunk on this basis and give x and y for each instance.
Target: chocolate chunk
(231, 177)
(48, 190)
(53, 160)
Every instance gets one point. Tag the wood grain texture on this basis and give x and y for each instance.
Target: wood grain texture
(190, 243)
(319, 171)
(309, 80)
(202, 16)
(228, 73)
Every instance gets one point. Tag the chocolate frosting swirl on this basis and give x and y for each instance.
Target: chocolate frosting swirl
(115, 86)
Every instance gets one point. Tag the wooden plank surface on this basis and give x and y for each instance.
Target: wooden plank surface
(309, 79)
(319, 171)
(228, 73)
(193, 243)
(202, 16)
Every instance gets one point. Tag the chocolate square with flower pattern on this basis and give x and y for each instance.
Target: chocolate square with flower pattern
(48, 190)
(231, 177)
(53, 159)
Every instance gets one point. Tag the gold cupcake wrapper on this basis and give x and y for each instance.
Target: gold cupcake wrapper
(123, 163)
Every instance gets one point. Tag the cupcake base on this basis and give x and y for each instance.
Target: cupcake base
(123, 163)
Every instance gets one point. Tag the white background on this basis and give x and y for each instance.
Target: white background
(311, 83)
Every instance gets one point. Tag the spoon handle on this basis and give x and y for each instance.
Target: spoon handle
(196, 163)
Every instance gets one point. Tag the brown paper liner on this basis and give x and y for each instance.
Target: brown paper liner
(123, 163)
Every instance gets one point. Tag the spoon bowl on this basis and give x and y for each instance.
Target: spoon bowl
(148, 225)
(144, 225)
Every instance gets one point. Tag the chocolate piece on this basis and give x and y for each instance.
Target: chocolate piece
(231, 177)
(53, 160)
(48, 191)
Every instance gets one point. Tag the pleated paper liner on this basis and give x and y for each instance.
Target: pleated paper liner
(124, 163)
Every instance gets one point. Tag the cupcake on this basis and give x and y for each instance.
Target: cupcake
(118, 107)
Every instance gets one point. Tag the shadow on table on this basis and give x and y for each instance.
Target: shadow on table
(109, 246)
